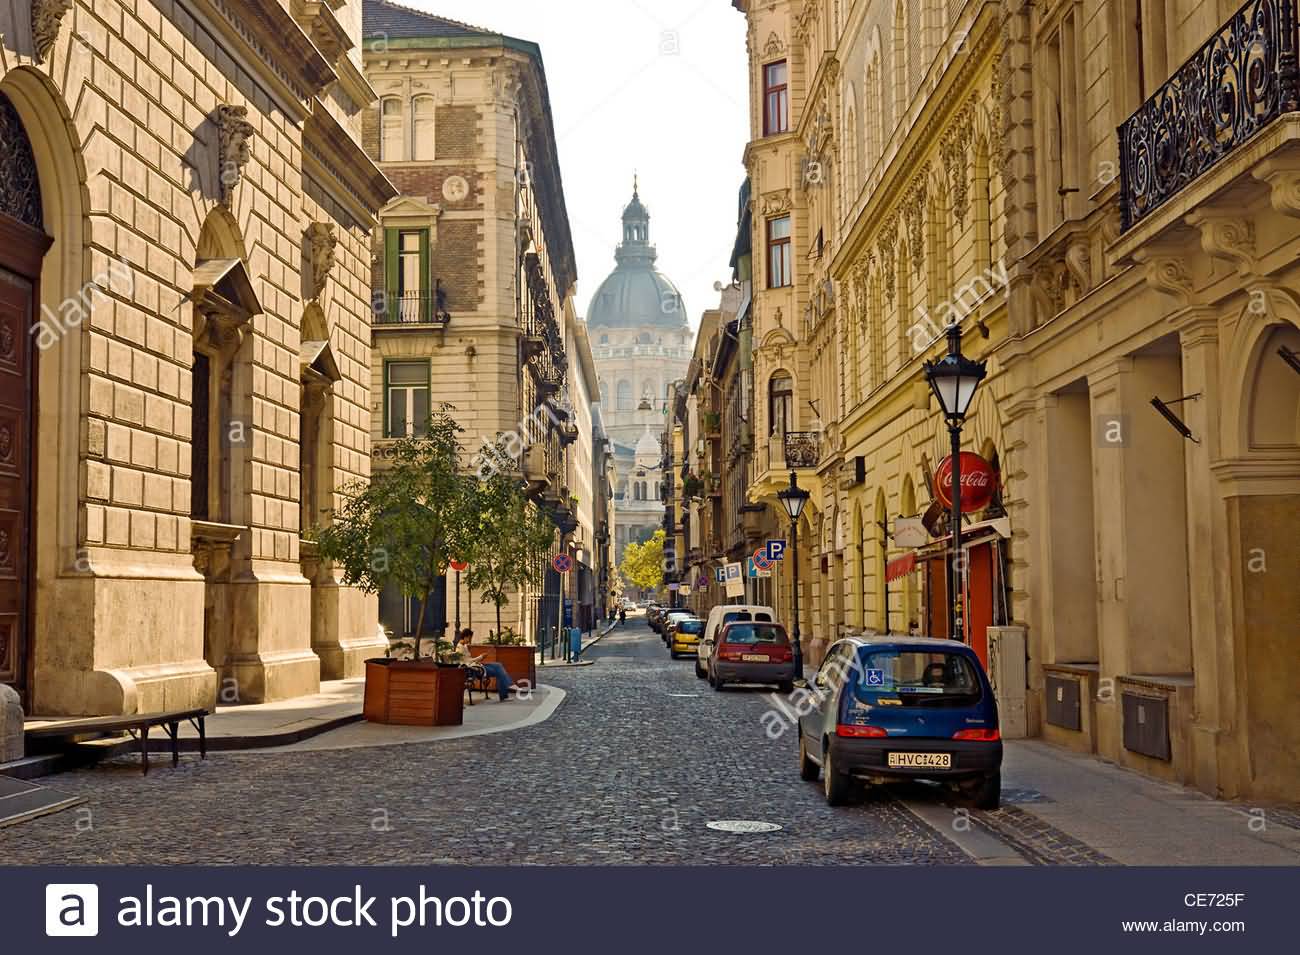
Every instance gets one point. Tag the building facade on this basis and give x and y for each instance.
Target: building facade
(642, 343)
(919, 165)
(187, 211)
(473, 275)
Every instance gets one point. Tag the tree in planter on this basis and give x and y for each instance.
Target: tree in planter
(512, 537)
(643, 564)
(405, 525)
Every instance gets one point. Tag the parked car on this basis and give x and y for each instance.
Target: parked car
(752, 652)
(671, 619)
(720, 615)
(891, 708)
(652, 615)
(686, 637)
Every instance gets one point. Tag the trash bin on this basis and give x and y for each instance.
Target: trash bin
(575, 641)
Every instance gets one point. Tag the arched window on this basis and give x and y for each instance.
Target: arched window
(624, 392)
(851, 181)
(932, 30)
(422, 111)
(390, 130)
(900, 60)
(780, 403)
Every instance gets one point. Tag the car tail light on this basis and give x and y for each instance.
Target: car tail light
(727, 652)
(985, 736)
(781, 654)
(853, 729)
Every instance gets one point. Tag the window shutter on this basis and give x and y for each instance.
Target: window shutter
(390, 274)
(426, 279)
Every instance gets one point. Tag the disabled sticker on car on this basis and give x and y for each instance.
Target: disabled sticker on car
(874, 678)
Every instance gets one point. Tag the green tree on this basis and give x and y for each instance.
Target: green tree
(512, 537)
(643, 564)
(410, 519)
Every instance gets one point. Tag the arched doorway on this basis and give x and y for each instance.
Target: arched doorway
(23, 244)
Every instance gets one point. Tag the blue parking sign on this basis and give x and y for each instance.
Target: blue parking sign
(875, 677)
(720, 574)
(775, 550)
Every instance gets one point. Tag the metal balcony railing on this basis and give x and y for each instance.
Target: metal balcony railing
(794, 449)
(411, 308)
(1242, 78)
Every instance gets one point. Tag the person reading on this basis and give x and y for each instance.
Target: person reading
(494, 670)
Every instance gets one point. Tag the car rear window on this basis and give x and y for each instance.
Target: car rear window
(691, 626)
(892, 677)
(754, 633)
(735, 615)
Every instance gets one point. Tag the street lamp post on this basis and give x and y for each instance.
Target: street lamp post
(793, 498)
(953, 379)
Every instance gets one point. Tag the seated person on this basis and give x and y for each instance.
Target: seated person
(494, 670)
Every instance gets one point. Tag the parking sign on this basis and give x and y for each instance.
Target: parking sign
(776, 550)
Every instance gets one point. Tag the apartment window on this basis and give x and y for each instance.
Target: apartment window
(780, 403)
(407, 276)
(390, 132)
(406, 397)
(776, 98)
(778, 253)
(422, 127)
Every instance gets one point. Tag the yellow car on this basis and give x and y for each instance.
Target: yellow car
(686, 637)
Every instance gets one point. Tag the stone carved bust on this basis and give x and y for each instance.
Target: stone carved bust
(47, 17)
(235, 133)
(321, 243)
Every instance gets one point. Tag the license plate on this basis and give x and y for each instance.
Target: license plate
(754, 657)
(921, 760)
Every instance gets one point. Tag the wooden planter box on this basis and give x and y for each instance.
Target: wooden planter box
(520, 662)
(413, 693)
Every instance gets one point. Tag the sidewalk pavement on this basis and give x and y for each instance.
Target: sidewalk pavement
(331, 719)
(1106, 813)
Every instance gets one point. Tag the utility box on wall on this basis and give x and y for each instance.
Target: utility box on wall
(1007, 674)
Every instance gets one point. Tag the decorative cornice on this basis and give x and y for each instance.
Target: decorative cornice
(1226, 236)
(365, 188)
(1282, 174)
(1166, 273)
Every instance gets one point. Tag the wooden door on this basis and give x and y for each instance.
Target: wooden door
(979, 599)
(936, 596)
(17, 375)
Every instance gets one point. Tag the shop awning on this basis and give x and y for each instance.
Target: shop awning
(900, 567)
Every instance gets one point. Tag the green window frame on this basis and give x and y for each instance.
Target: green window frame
(407, 306)
(408, 387)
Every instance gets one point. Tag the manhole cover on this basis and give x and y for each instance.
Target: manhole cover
(742, 825)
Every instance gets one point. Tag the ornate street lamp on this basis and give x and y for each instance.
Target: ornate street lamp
(793, 498)
(953, 379)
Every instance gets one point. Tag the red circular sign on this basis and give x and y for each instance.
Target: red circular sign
(979, 482)
(563, 563)
(458, 565)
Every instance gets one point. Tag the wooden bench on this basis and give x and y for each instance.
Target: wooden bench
(138, 725)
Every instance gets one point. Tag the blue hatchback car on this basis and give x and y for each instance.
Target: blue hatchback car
(888, 708)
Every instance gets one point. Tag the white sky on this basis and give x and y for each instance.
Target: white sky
(655, 86)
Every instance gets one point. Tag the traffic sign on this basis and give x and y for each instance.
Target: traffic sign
(776, 550)
(458, 565)
(760, 559)
(758, 570)
(562, 563)
(720, 574)
(702, 581)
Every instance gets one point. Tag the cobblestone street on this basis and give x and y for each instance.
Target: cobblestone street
(637, 760)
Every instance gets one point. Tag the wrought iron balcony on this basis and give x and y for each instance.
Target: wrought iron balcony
(1240, 80)
(422, 307)
(801, 449)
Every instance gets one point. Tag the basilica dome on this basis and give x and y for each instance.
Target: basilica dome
(636, 294)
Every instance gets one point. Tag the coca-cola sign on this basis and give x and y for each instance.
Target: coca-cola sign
(979, 482)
